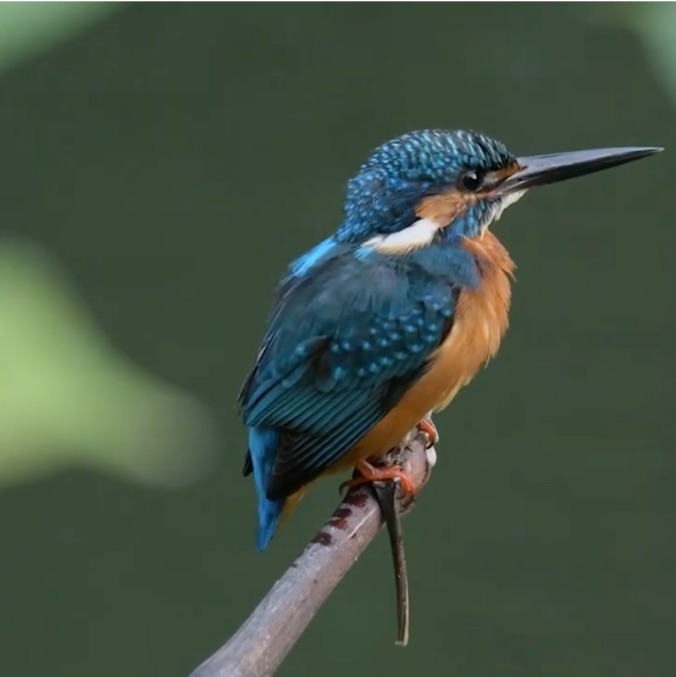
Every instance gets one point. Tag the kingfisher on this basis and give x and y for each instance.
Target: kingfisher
(383, 322)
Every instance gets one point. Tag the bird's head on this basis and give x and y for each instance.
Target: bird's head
(436, 183)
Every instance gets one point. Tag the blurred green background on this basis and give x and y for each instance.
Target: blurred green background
(160, 166)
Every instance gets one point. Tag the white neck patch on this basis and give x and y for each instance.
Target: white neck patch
(417, 235)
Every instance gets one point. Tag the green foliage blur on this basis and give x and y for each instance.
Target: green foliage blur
(160, 166)
(30, 29)
(66, 397)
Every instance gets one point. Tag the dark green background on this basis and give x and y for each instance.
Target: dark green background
(175, 158)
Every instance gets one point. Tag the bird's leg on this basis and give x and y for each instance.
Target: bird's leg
(370, 473)
(430, 430)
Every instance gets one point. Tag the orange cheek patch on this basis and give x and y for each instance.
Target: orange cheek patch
(445, 207)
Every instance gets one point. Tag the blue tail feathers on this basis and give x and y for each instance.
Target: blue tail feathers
(263, 443)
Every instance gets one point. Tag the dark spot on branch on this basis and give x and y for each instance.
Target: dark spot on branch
(322, 538)
(340, 517)
(358, 499)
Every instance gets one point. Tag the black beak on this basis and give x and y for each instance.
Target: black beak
(540, 170)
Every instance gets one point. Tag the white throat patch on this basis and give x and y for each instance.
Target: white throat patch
(499, 206)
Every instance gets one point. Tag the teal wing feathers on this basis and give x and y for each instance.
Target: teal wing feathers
(344, 343)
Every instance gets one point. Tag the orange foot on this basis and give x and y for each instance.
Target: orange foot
(370, 474)
(430, 430)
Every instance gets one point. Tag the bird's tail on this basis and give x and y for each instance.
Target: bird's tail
(263, 445)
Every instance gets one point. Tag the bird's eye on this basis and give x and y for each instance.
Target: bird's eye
(472, 180)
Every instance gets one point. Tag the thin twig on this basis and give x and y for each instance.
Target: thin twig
(267, 636)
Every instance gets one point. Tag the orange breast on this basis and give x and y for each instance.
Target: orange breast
(480, 321)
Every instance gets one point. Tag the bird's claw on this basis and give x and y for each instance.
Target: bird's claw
(430, 430)
(369, 473)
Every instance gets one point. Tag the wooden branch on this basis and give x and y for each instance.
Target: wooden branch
(266, 637)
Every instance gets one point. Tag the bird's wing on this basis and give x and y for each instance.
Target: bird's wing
(344, 344)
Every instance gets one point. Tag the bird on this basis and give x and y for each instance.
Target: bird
(384, 321)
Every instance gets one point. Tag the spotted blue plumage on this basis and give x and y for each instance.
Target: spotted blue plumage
(351, 331)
